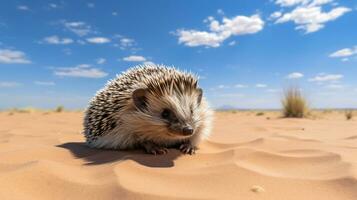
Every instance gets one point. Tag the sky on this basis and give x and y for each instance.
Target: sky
(246, 52)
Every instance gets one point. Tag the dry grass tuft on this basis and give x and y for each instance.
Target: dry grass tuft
(349, 114)
(294, 103)
(260, 113)
(59, 109)
(22, 110)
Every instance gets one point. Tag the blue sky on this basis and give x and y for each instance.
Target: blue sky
(61, 52)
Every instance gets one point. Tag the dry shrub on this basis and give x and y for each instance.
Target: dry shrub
(22, 110)
(349, 114)
(59, 109)
(294, 103)
(260, 113)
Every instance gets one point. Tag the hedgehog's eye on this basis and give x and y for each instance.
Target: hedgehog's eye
(166, 113)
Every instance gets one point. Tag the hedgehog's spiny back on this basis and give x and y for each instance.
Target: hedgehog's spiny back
(161, 80)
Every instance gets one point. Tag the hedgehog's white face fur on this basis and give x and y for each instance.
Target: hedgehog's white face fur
(172, 115)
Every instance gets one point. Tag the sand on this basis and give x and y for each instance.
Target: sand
(42, 156)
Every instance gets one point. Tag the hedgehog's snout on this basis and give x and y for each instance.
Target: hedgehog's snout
(182, 130)
(187, 130)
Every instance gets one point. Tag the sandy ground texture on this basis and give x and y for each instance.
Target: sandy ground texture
(42, 156)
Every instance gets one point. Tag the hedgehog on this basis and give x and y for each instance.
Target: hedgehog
(149, 107)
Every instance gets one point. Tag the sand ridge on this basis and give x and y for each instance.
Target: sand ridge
(248, 157)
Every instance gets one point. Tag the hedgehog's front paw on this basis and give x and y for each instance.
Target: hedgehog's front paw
(188, 148)
(154, 149)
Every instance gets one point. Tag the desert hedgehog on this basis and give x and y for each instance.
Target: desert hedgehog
(150, 107)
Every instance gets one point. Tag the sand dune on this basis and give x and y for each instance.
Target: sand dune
(42, 156)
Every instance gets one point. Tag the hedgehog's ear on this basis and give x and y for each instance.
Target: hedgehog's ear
(200, 93)
(139, 98)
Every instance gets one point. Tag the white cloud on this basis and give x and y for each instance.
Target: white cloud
(229, 86)
(295, 75)
(312, 19)
(208, 19)
(240, 86)
(67, 51)
(308, 14)
(83, 70)
(326, 77)
(45, 83)
(260, 85)
(53, 5)
(57, 5)
(149, 63)
(8, 56)
(23, 7)
(321, 2)
(287, 3)
(220, 12)
(77, 27)
(98, 40)
(230, 95)
(57, 40)
(9, 84)
(126, 42)
(101, 61)
(345, 59)
(232, 43)
(273, 90)
(275, 15)
(346, 52)
(134, 59)
(193, 38)
(335, 86)
(238, 25)
(309, 3)
(222, 86)
(90, 5)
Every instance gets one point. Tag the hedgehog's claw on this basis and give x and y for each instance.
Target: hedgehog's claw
(188, 148)
(154, 149)
(159, 150)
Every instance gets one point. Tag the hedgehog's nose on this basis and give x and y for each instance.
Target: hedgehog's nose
(187, 130)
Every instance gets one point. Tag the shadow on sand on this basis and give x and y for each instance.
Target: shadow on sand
(102, 156)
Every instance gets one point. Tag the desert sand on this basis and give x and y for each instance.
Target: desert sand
(42, 156)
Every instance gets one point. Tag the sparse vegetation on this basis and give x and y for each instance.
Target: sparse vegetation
(327, 111)
(22, 110)
(59, 109)
(294, 103)
(260, 114)
(349, 114)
